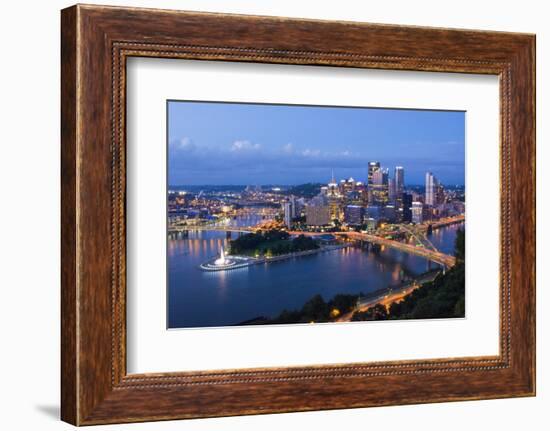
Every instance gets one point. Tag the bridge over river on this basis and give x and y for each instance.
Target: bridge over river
(430, 253)
(210, 227)
(427, 253)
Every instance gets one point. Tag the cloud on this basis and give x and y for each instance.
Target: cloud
(184, 144)
(244, 146)
(242, 160)
(311, 153)
(288, 148)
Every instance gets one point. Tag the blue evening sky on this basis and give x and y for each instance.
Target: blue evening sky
(241, 144)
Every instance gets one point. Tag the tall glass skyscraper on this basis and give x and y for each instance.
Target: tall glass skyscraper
(373, 167)
(431, 184)
(399, 180)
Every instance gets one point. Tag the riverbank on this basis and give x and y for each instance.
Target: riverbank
(317, 310)
(388, 296)
(206, 299)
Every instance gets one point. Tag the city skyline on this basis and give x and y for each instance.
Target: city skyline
(283, 214)
(331, 175)
(308, 143)
(337, 224)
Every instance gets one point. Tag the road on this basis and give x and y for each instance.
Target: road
(387, 299)
(427, 253)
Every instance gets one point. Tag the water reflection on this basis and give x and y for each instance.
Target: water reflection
(198, 298)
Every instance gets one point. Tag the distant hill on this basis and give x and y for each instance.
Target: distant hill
(209, 188)
(307, 190)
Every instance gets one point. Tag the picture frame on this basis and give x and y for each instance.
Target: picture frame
(96, 42)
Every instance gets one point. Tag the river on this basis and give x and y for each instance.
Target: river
(204, 299)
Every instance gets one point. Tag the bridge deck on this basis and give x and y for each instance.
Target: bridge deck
(433, 255)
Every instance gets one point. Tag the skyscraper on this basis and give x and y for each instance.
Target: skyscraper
(293, 206)
(377, 178)
(347, 186)
(287, 208)
(373, 167)
(318, 212)
(431, 183)
(334, 199)
(389, 213)
(379, 187)
(332, 189)
(353, 215)
(399, 180)
(392, 192)
(417, 210)
(399, 185)
(335, 208)
(361, 190)
(439, 194)
(406, 207)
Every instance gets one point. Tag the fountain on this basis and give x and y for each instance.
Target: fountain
(224, 262)
(221, 260)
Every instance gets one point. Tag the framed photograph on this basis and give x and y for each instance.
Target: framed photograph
(266, 215)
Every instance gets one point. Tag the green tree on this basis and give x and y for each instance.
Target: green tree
(343, 302)
(315, 310)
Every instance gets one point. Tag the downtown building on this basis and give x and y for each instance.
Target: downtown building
(417, 212)
(399, 178)
(318, 212)
(385, 194)
(399, 184)
(373, 167)
(353, 215)
(435, 192)
(389, 213)
(431, 183)
(381, 199)
(290, 210)
(379, 189)
(421, 212)
(392, 191)
(406, 208)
